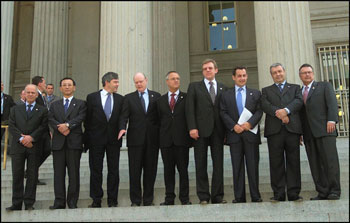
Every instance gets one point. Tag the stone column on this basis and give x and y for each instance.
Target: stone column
(283, 34)
(6, 42)
(170, 43)
(126, 42)
(50, 41)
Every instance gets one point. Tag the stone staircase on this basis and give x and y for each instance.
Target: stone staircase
(266, 211)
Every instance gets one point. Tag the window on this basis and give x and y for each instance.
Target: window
(222, 25)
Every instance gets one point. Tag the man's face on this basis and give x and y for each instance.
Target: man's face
(173, 81)
(31, 93)
(67, 88)
(49, 89)
(306, 75)
(112, 86)
(209, 71)
(42, 85)
(240, 78)
(23, 95)
(140, 82)
(278, 74)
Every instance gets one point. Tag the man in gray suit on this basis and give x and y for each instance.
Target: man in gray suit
(319, 116)
(50, 97)
(65, 118)
(27, 124)
(282, 102)
(206, 128)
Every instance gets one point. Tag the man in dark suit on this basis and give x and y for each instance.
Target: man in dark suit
(27, 124)
(206, 128)
(6, 104)
(45, 150)
(104, 109)
(140, 109)
(282, 102)
(319, 116)
(174, 139)
(50, 97)
(244, 144)
(65, 118)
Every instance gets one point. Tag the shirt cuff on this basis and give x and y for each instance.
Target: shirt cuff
(20, 139)
(332, 122)
(288, 112)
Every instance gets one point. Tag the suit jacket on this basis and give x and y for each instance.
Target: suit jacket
(173, 125)
(39, 100)
(141, 125)
(321, 107)
(8, 104)
(272, 99)
(201, 113)
(230, 116)
(98, 131)
(74, 117)
(53, 98)
(35, 125)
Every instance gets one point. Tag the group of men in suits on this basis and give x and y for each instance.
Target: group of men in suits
(208, 115)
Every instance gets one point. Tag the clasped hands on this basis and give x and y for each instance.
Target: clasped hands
(27, 141)
(246, 126)
(283, 115)
(63, 129)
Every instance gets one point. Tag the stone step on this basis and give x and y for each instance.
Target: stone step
(266, 211)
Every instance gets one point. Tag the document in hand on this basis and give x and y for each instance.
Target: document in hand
(245, 116)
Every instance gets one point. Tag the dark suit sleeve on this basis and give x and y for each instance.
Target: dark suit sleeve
(190, 107)
(15, 132)
(297, 103)
(266, 105)
(76, 122)
(254, 120)
(125, 114)
(331, 102)
(88, 113)
(51, 117)
(11, 102)
(37, 134)
(226, 118)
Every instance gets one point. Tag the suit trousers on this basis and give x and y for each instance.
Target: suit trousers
(248, 152)
(44, 150)
(201, 157)
(18, 161)
(70, 159)
(96, 156)
(324, 164)
(284, 156)
(178, 157)
(142, 157)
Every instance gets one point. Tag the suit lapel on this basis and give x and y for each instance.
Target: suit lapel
(71, 107)
(234, 101)
(23, 110)
(60, 109)
(138, 100)
(179, 99)
(34, 110)
(312, 89)
(286, 88)
(204, 88)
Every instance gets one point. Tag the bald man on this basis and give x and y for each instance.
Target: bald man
(140, 110)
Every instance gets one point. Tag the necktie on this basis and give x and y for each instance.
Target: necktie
(280, 87)
(143, 102)
(66, 106)
(29, 110)
(49, 98)
(44, 99)
(212, 92)
(107, 108)
(239, 101)
(305, 94)
(172, 101)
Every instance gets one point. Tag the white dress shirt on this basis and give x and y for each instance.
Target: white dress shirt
(104, 96)
(206, 82)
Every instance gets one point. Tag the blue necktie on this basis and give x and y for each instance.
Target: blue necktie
(143, 102)
(29, 110)
(107, 108)
(66, 106)
(239, 101)
(280, 87)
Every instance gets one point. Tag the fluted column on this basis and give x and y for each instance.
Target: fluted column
(283, 34)
(6, 42)
(126, 42)
(50, 41)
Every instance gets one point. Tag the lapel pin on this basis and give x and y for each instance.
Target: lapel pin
(181, 97)
(152, 95)
(251, 93)
(288, 86)
(313, 88)
(73, 104)
(221, 88)
(36, 109)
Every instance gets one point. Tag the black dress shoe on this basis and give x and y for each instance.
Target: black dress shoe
(186, 203)
(277, 199)
(40, 182)
(238, 201)
(54, 207)
(135, 205)
(14, 208)
(113, 205)
(148, 204)
(333, 197)
(299, 198)
(257, 200)
(219, 202)
(29, 208)
(72, 207)
(166, 203)
(203, 202)
(95, 205)
(317, 198)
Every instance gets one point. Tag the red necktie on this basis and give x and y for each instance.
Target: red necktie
(172, 101)
(306, 92)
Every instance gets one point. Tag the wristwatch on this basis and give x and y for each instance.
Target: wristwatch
(67, 124)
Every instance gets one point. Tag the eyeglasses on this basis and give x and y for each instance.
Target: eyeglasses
(306, 72)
